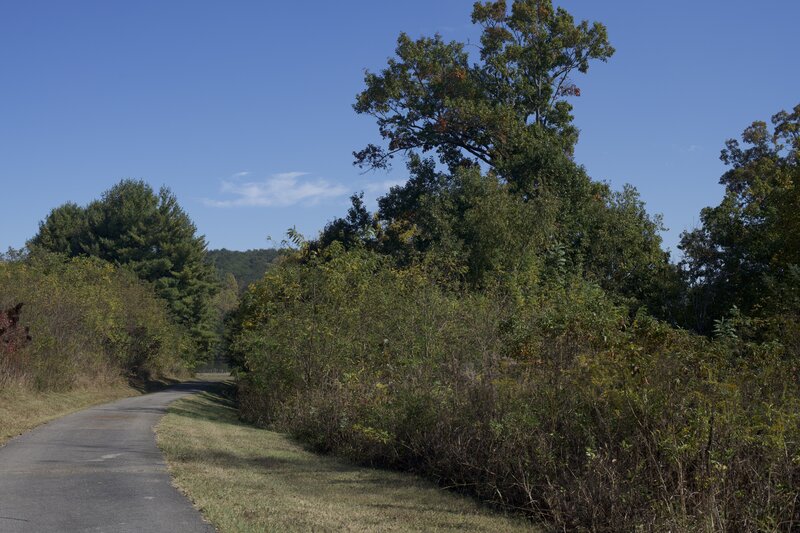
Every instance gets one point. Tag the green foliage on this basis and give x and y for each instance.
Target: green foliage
(466, 225)
(148, 233)
(509, 113)
(90, 322)
(352, 230)
(477, 229)
(246, 267)
(430, 98)
(511, 193)
(619, 244)
(235, 272)
(491, 325)
(747, 252)
(549, 400)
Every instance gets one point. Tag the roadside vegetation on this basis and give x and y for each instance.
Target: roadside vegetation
(106, 301)
(507, 326)
(246, 479)
(22, 409)
(86, 323)
(84, 332)
(503, 324)
(149, 234)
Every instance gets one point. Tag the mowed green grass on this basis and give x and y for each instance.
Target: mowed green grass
(247, 479)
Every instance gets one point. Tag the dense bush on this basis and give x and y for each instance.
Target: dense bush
(89, 322)
(548, 398)
(491, 324)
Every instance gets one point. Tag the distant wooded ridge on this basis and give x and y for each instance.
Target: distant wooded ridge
(246, 267)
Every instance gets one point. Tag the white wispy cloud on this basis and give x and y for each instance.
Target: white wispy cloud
(279, 190)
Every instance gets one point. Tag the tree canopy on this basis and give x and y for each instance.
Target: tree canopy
(500, 322)
(431, 98)
(149, 233)
(493, 190)
(746, 253)
(246, 267)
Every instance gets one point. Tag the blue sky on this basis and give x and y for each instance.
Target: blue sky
(243, 108)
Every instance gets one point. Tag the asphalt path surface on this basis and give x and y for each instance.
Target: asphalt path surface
(96, 470)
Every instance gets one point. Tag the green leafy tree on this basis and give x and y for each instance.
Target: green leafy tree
(466, 225)
(477, 226)
(504, 199)
(431, 98)
(148, 233)
(746, 253)
(620, 246)
(353, 229)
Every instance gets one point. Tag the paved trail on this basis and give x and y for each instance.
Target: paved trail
(97, 470)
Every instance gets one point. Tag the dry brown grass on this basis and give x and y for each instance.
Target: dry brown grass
(22, 409)
(248, 479)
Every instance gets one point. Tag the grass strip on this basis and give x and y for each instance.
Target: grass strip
(22, 410)
(248, 479)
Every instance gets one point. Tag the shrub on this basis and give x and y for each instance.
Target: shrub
(88, 321)
(548, 399)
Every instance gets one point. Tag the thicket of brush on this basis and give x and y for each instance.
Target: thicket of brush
(512, 328)
(547, 399)
(88, 323)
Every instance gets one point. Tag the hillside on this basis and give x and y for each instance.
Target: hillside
(246, 267)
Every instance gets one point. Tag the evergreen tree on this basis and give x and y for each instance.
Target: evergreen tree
(148, 233)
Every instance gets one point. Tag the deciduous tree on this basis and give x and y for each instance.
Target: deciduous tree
(432, 98)
(746, 253)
